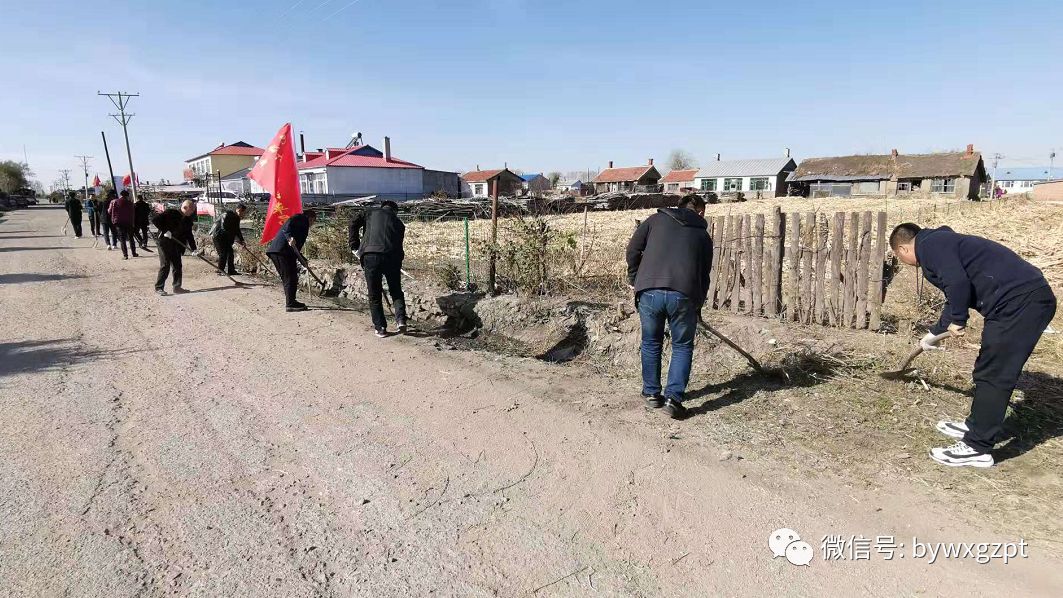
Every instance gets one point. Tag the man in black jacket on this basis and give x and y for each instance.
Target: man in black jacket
(110, 233)
(141, 218)
(73, 211)
(668, 263)
(175, 234)
(226, 232)
(376, 237)
(1017, 304)
(281, 252)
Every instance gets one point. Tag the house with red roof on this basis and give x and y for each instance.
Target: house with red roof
(363, 170)
(628, 179)
(226, 159)
(484, 183)
(679, 181)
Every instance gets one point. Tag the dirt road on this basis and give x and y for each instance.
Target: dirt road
(210, 444)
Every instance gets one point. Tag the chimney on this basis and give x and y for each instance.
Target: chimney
(387, 149)
(610, 163)
(717, 157)
(477, 168)
(787, 152)
(894, 153)
(970, 149)
(651, 161)
(302, 144)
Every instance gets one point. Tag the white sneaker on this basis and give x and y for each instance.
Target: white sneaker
(961, 455)
(952, 429)
(109, 248)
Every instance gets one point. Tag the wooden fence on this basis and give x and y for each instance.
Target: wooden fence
(801, 267)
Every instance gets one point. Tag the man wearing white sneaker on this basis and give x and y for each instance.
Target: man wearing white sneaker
(1017, 304)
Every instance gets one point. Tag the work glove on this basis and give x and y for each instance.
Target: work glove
(957, 330)
(927, 343)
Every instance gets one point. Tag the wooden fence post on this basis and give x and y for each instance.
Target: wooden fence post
(849, 299)
(736, 243)
(878, 261)
(714, 273)
(821, 266)
(757, 284)
(793, 310)
(863, 266)
(747, 264)
(723, 284)
(808, 241)
(778, 224)
(837, 243)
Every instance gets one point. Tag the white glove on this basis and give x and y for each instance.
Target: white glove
(168, 235)
(928, 343)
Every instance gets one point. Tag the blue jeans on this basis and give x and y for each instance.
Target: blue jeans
(656, 306)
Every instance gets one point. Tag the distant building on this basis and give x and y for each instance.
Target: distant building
(225, 158)
(238, 183)
(1023, 179)
(535, 184)
(483, 183)
(952, 174)
(363, 170)
(577, 188)
(678, 181)
(628, 179)
(762, 177)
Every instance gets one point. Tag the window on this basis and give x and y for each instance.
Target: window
(732, 184)
(943, 186)
(708, 184)
(904, 186)
(478, 189)
(673, 186)
(758, 184)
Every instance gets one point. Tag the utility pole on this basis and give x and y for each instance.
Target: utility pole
(993, 187)
(85, 169)
(121, 101)
(1051, 163)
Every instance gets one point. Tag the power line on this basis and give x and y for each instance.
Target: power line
(121, 101)
(85, 169)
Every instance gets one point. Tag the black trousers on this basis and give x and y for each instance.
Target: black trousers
(94, 224)
(386, 266)
(75, 223)
(226, 255)
(289, 272)
(140, 231)
(1011, 332)
(110, 233)
(169, 258)
(126, 237)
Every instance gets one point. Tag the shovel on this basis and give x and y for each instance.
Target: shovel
(306, 264)
(906, 369)
(200, 256)
(753, 362)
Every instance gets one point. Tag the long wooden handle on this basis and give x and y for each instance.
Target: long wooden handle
(918, 350)
(753, 362)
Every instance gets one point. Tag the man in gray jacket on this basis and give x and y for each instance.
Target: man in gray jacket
(668, 263)
(376, 237)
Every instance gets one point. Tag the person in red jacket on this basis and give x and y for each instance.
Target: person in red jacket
(123, 217)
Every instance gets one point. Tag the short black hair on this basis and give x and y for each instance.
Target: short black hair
(692, 202)
(241, 206)
(903, 234)
(111, 193)
(387, 203)
(124, 193)
(310, 213)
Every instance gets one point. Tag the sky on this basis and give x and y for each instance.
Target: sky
(540, 85)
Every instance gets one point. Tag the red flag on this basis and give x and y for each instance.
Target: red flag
(96, 181)
(127, 181)
(277, 173)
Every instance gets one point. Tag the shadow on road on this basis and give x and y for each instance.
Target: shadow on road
(35, 356)
(35, 277)
(8, 249)
(6, 237)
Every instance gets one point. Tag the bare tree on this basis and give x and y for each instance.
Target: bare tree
(681, 159)
(554, 178)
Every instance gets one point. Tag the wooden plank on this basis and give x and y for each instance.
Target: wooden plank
(747, 264)
(778, 225)
(758, 264)
(808, 241)
(851, 255)
(794, 277)
(837, 244)
(821, 267)
(863, 270)
(736, 263)
(878, 261)
(714, 234)
(725, 264)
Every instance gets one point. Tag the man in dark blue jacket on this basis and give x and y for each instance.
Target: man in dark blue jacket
(281, 252)
(668, 263)
(1017, 304)
(375, 236)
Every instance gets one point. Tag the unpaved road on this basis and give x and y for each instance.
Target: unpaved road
(210, 444)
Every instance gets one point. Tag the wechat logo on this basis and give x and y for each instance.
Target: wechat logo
(786, 542)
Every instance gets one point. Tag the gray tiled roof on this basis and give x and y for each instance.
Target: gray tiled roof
(765, 167)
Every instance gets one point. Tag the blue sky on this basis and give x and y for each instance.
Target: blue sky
(543, 85)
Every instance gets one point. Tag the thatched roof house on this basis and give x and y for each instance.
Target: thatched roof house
(957, 174)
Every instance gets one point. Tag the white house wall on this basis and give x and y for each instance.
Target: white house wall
(356, 180)
(773, 183)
